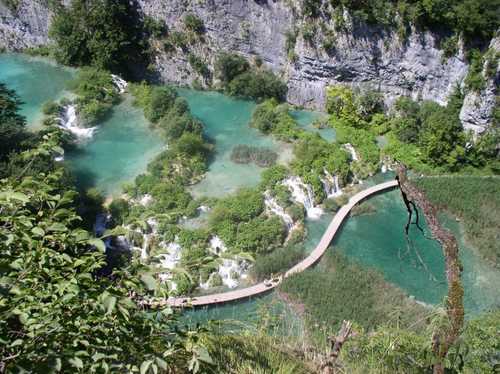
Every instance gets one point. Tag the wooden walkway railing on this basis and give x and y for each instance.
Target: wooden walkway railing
(310, 260)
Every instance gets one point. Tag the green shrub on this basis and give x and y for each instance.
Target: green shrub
(475, 80)
(229, 65)
(51, 108)
(331, 205)
(194, 24)
(198, 65)
(258, 86)
(279, 261)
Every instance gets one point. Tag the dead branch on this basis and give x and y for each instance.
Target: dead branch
(445, 337)
(336, 344)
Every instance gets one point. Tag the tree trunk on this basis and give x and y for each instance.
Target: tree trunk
(445, 337)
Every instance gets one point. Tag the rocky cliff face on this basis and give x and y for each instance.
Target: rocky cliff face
(361, 55)
(478, 106)
(28, 26)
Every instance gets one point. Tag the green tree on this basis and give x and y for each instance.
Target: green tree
(58, 310)
(12, 124)
(105, 33)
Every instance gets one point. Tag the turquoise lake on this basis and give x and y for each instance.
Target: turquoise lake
(124, 144)
(36, 81)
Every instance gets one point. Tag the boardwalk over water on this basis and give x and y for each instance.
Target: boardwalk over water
(310, 260)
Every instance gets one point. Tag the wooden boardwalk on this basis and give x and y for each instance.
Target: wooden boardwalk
(310, 260)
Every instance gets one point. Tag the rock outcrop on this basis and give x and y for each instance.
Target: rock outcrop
(478, 106)
(358, 55)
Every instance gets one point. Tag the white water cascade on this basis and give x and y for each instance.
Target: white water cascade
(69, 122)
(352, 151)
(120, 83)
(217, 246)
(272, 207)
(331, 185)
(303, 194)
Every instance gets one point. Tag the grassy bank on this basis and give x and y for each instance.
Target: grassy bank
(341, 289)
(476, 201)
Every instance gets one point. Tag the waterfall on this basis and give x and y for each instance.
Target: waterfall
(59, 158)
(171, 259)
(352, 151)
(203, 209)
(331, 185)
(273, 207)
(120, 83)
(217, 246)
(230, 267)
(69, 122)
(145, 200)
(144, 249)
(303, 194)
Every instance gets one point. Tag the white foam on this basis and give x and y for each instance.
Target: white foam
(69, 122)
(303, 194)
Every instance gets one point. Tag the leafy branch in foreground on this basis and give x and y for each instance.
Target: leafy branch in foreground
(58, 311)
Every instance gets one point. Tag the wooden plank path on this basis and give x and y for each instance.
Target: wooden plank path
(310, 260)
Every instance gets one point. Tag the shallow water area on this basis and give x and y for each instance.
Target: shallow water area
(226, 123)
(305, 120)
(120, 149)
(36, 80)
(377, 240)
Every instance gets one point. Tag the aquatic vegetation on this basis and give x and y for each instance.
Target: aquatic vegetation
(244, 154)
(476, 201)
(339, 289)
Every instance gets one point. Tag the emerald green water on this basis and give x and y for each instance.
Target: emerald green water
(378, 241)
(35, 80)
(120, 150)
(124, 144)
(305, 120)
(226, 124)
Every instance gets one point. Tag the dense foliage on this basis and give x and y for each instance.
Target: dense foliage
(96, 95)
(239, 220)
(476, 200)
(12, 125)
(475, 19)
(107, 34)
(239, 79)
(63, 305)
(276, 262)
(425, 136)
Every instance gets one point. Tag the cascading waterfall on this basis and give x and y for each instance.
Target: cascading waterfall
(273, 207)
(331, 185)
(120, 83)
(69, 122)
(352, 151)
(217, 246)
(303, 194)
(169, 261)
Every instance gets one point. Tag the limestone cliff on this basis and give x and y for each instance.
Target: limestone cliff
(359, 55)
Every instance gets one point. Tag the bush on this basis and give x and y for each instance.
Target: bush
(276, 262)
(198, 65)
(154, 27)
(229, 65)
(51, 108)
(258, 86)
(194, 24)
(159, 102)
